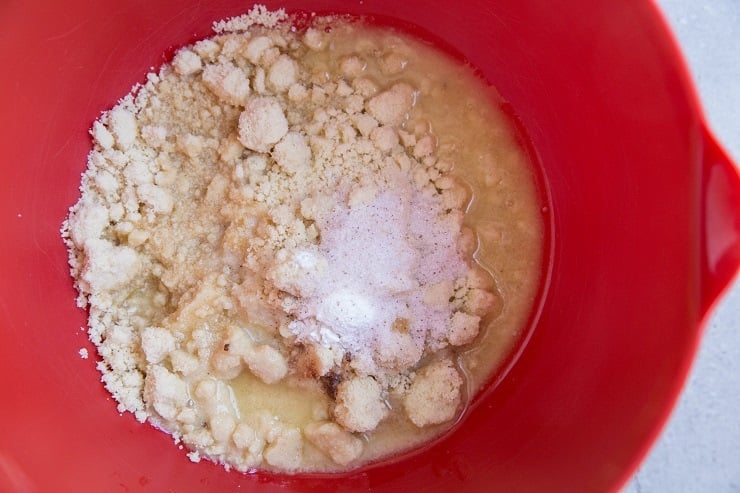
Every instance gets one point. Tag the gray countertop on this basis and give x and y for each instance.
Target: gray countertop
(699, 450)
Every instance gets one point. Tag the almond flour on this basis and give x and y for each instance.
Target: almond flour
(277, 247)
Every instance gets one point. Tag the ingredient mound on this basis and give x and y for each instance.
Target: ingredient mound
(271, 244)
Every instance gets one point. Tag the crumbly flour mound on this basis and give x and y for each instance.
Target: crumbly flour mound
(273, 208)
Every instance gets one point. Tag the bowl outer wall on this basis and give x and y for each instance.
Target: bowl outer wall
(607, 104)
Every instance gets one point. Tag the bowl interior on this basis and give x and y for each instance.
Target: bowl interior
(600, 90)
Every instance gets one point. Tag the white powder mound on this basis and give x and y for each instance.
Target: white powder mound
(380, 257)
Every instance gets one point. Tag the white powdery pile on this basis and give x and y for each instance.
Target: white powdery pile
(373, 267)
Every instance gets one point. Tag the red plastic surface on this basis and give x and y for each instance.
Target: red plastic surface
(644, 215)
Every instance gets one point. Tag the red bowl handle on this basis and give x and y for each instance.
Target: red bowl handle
(720, 237)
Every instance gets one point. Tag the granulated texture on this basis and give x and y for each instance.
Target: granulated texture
(273, 245)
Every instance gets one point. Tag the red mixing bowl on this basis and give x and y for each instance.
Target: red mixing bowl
(644, 218)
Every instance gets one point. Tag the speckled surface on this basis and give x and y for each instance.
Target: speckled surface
(699, 450)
